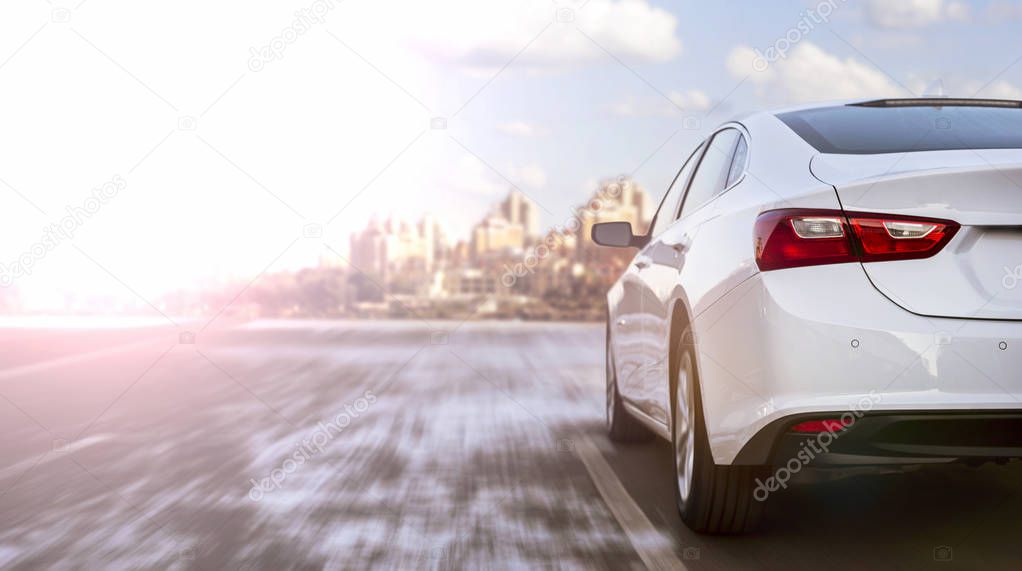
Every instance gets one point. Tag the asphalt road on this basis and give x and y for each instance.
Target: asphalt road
(350, 445)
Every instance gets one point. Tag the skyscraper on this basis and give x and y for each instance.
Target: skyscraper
(509, 227)
(393, 246)
(520, 209)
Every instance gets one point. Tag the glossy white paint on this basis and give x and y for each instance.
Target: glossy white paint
(979, 189)
(822, 338)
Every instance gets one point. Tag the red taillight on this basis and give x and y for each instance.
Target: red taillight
(786, 239)
(829, 425)
(900, 239)
(803, 237)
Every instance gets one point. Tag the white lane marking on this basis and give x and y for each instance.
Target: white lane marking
(654, 549)
(76, 358)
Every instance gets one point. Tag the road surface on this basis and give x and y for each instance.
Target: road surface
(353, 445)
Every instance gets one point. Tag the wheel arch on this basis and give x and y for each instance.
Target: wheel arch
(681, 329)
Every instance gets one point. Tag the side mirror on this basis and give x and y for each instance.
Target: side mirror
(617, 235)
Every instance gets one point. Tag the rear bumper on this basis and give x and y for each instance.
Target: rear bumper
(890, 437)
(819, 340)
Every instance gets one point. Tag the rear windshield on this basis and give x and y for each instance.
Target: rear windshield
(858, 130)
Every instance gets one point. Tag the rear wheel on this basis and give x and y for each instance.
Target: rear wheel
(621, 426)
(711, 498)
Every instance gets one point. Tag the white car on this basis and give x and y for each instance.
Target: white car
(835, 285)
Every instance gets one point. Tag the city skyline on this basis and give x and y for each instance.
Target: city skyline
(420, 258)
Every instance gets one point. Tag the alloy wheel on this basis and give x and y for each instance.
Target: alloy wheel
(684, 433)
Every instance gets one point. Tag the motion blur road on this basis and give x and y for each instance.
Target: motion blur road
(481, 448)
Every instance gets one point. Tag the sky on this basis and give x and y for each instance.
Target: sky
(145, 148)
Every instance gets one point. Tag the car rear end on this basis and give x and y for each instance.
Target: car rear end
(886, 327)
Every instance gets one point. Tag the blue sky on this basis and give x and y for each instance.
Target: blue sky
(233, 128)
(587, 137)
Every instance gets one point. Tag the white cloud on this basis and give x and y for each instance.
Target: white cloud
(958, 11)
(523, 129)
(809, 73)
(676, 103)
(1000, 90)
(1002, 11)
(691, 100)
(958, 86)
(740, 63)
(630, 29)
(532, 176)
(897, 14)
(626, 108)
(468, 175)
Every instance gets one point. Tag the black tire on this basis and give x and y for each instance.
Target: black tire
(720, 498)
(621, 426)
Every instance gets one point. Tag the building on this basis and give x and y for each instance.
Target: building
(509, 227)
(496, 234)
(505, 255)
(471, 282)
(397, 251)
(519, 209)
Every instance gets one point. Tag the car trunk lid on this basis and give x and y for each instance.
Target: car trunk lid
(979, 273)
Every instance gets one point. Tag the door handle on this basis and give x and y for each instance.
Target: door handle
(640, 264)
(679, 248)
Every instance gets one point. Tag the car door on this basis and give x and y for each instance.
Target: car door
(666, 253)
(637, 326)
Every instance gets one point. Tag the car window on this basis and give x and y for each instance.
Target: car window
(711, 174)
(666, 214)
(738, 163)
(865, 129)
